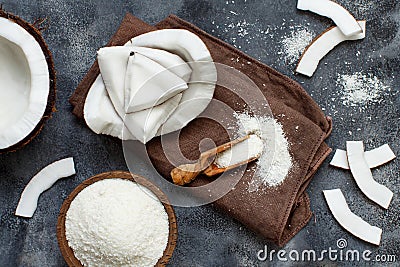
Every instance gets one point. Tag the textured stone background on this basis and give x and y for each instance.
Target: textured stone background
(207, 237)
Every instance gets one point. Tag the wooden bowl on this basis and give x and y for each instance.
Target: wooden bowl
(67, 252)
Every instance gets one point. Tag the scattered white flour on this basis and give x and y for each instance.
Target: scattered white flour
(361, 89)
(294, 44)
(275, 162)
(115, 222)
(247, 149)
(360, 8)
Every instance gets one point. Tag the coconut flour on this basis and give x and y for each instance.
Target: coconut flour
(360, 89)
(295, 42)
(275, 161)
(116, 222)
(247, 149)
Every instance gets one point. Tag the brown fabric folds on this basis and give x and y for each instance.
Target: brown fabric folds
(278, 213)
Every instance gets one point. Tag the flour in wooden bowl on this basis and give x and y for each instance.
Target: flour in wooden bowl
(116, 222)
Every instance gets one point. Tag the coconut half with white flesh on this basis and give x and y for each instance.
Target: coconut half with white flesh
(170, 64)
(27, 82)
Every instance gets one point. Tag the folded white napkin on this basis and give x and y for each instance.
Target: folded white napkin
(147, 83)
(144, 86)
(124, 106)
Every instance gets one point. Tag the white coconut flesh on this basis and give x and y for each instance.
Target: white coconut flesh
(41, 182)
(348, 220)
(374, 158)
(322, 45)
(24, 83)
(342, 18)
(361, 172)
(180, 52)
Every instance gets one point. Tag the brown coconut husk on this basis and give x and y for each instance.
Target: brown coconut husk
(52, 74)
(68, 253)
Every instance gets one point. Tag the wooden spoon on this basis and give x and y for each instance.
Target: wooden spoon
(214, 169)
(186, 173)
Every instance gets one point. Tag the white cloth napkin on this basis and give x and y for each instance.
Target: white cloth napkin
(145, 86)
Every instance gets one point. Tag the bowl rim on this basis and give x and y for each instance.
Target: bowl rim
(67, 251)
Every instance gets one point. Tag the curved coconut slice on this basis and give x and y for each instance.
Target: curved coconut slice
(374, 158)
(363, 176)
(342, 18)
(25, 82)
(192, 50)
(40, 183)
(322, 45)
(348, 220)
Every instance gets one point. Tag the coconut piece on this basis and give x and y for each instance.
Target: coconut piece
(342, 18)
(27, 82)
(40, 183)
(348, 220)
(363, 176)
(322, 45)
(374, 158)
(201, 82)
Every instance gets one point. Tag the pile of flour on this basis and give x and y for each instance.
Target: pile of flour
(275, 161)
(116, 222)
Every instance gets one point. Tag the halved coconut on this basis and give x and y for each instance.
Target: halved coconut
(27, 82)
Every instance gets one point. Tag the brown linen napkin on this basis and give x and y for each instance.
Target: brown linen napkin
(278, 213)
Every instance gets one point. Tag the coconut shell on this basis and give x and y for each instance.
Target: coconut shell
(68, 253)
(52, 74)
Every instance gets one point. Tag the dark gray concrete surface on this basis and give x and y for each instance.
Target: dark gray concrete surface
(207, 237)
